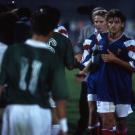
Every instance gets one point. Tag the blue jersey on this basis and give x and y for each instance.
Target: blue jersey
(88, 48)
(114, 83)
(94, 44)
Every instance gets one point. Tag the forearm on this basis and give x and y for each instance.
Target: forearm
(123, 63)
(2, 88)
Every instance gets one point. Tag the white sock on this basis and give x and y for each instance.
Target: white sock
(55, 129)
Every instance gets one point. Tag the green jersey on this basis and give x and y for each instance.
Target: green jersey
(31, 70)
(63, 49)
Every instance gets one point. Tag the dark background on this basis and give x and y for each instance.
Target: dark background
(68, 8)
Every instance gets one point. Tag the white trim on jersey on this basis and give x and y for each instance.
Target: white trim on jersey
(131, 54)
(39, 44)
(132, 64)
(3, 48)
(87, 42)
(99, 37)
(129, 43)
(122, 110)
(59, 30)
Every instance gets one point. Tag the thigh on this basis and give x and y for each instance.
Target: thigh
(108, 120)
(107, 114)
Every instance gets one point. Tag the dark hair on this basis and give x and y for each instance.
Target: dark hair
(43, 21)
(116, 13)
(55, 12)
(3, 8)
(7, 26)
(24, 12)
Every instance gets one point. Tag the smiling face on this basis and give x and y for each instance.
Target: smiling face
(100, 23)
(115, 25)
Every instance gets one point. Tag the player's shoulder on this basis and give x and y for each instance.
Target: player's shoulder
(62, 30)
(126, 38)
(59, 38)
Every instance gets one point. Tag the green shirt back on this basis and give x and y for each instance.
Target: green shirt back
(31, 73)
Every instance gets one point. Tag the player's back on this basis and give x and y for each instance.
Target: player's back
(29, 71)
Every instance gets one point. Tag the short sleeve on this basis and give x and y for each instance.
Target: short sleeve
(130, 45)
(4, 66)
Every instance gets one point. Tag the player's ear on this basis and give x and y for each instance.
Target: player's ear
(123, 25)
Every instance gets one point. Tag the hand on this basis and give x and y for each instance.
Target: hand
(78, 57)
(80, 76)
(110, 57)
(2, 89)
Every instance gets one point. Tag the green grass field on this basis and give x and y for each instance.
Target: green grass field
(73, 115)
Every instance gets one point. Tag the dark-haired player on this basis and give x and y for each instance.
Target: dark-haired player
(114, 82)
(31, 71)
(63, 48)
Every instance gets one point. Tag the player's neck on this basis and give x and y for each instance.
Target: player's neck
(115, 36)
(41, 38)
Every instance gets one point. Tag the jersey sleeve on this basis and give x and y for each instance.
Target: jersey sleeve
(88, 46)
(4, 66)
(69, 55)
(130, 45)
(62, 30)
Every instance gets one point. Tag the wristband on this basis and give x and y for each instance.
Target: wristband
(63, 125)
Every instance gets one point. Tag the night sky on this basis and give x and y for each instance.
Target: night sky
(68, 8)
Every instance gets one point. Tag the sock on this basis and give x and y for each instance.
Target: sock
(121, 132)
(55, 129)
(109, 132)
(94, 130)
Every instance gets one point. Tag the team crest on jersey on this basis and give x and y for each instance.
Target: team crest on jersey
(52, 42)
(100, 47)
(119, 51)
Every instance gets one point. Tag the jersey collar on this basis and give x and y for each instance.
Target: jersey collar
(39, 44)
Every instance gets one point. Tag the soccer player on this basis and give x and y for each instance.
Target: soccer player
(7, 25)
(113, 78)
(31, 70)
(99, 22)
(90, 46)
(63, 48)
(23, 25)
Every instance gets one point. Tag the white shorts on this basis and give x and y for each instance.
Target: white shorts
(26, 120)
(122, 110)
(91, 97)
